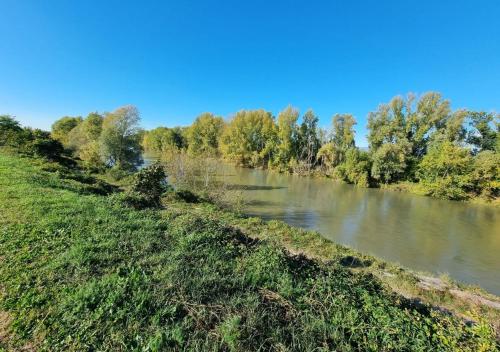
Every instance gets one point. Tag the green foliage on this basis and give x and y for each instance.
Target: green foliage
(249, 138)
(120, 140)
(486, 174)
(163, 139)
(407, 127)
(34, 142)
(445, 171)
(204, 134)
(330, 156)
(40, 143)
(81, 272)
(356, 168)
(308, 139)
(10, 131)
(150, 183)
(286, 149)
(333, 155)
(87, 131)
(400, 135)
(343, 131)
(62, 127)
(390, 161)
(83, 140)
(483, 135)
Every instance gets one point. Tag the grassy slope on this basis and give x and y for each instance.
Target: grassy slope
(81, 272)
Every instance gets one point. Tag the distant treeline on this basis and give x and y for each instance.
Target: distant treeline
(448, 154)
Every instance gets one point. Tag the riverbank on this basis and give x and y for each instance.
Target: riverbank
(417, 189)
(81, 271)
(414, 188)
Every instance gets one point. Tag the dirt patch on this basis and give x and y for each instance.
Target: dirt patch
(432, 283)
(468, 296)
(5, 321)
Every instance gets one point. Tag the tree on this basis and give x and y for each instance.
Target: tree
(445, 171)
(287, 137)
(249, 138)
(10, 131)
(356, 167)
(83, 140)
(432, 113)
(329, 155)
(343, 131)
(408, 125)
(483, 135)
(62, 127)
(342, 139)
(119, 141)
(309, 143)
(390, 161)
(162, 139)
(204, 134)
(486, 173)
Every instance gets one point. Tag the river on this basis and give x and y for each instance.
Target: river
(421, 233)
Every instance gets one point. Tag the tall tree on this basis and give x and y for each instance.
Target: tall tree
(162, 139)
(204, 134)
(287, 136)
(120, 139)
(483, 135)
(309, 143)
(407, 126)
(250, 138)
(343, 131)
(62, 127)
(10, 129)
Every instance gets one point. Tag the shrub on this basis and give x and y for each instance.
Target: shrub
(149, 184)
(355, 169)
(40, 143)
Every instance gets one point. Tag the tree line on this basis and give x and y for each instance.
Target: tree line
(412, 140)
(110, 141)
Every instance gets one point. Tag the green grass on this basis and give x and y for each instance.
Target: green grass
(79, 271)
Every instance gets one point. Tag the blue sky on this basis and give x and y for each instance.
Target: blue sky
(174, 60)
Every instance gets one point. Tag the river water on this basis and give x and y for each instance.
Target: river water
(421, 233)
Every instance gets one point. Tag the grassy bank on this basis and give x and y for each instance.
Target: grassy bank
(80, 271)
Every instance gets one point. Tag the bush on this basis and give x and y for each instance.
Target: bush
(149, 184)
(117, 174)
(33, 142)
(355, 169)
(40, 143)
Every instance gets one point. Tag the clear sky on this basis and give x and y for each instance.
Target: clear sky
(174, 60)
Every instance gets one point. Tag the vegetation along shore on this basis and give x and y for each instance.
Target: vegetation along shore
(97, 256)
(416, 144)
